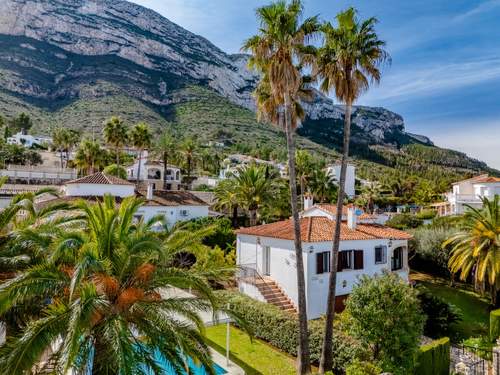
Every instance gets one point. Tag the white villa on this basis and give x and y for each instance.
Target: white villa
(175, 206)
(334, 171)
(28, 140)
(152, 172)
(468, 192)
(266, 256)
(233, 162)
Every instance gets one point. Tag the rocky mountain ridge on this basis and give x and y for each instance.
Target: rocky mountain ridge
(55, 51)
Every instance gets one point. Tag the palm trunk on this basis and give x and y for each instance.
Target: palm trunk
(139, 168)
(165, 168)
(117, 151)
(235, 216)
(61, 157)
(253, 217)
(302, 192)
(326, 361)
(303, 357)
(189, 166)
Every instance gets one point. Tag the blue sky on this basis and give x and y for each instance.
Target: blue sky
(445, 73)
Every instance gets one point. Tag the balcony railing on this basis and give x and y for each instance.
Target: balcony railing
(464, 198)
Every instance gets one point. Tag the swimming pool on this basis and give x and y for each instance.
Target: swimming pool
(195, 369)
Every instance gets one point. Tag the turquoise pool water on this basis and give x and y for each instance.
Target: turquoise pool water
(195, 369)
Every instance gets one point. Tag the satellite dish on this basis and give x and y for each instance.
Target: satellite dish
(358, 212)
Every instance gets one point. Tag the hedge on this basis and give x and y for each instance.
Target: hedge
(280, 329)
(494, 324)
(434, 358)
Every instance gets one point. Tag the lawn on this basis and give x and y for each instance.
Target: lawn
(254, 356)
(474, 309)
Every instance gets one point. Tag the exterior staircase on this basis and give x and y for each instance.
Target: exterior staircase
(274, 295)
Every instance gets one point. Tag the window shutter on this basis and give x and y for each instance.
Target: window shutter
(384, 254)
(358, 259)
(319, 263)
(340, 261)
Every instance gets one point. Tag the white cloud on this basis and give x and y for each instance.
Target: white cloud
(480, 9)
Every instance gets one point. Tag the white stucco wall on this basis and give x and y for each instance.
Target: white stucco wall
(283, 266)
(78, 190)
(173, 213)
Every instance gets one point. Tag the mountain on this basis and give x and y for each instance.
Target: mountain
(77, 62)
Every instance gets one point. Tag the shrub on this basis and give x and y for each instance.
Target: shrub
(223, 235)
(426, 214)
(434, 358)
(494, 324)
(362, 368)
(440, 314)
(116, 170)
(384, 315)
(404, 221)
(280, 329)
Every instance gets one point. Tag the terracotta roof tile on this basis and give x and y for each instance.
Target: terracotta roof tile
(320, 229)
(487, 179)
(332, 209)
(100, 178)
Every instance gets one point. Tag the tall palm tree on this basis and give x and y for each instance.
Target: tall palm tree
(58, 142)
(254, 189)
(189, 149)
(90, 157)
(226, 198)
(64, 140)
(348, 60)
(165, 149)
(275, 51)
(321, 184)
(305, 168)
(370, 193)
(140, 136)
(109, 301)
(476, 247)
(115, 135)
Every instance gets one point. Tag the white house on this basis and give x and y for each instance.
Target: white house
(152, 172)
(334, 171)
(267, 260)
(235, 161)
(28, 140)
(468, 192)
(175, 206)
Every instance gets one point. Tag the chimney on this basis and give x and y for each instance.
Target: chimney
(351, 217)
(308, 201)
(149, 194)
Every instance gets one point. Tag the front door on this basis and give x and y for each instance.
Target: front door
(266, 260)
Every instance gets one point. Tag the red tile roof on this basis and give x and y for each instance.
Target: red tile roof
(332, 209)
(319, 229)
(487, 179)
(100, 178)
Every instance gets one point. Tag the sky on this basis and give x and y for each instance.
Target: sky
(444, 78)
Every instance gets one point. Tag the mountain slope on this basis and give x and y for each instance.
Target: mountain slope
(77, 62)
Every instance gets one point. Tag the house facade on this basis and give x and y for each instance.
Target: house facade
(350, 177)
(468, 193)
(152, 171)
(174, 206)
(266, 256)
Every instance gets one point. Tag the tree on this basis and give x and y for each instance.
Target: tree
(384, 314)
(58, 142)
(370, 193)
(226, 198)
(347, 61)
(101, 300)
(165, 148)
(115, 135)
(141, 139)
(275, 51)
(64, 140)
(90, 157)
(21, 123)
(116, 170)
(476, 246)
(305, 168)
(189, 150)
(322, 186)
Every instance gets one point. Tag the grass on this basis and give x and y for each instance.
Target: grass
(474, 309)
(254, 356)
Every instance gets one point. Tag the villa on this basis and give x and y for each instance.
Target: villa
(468, 192)
(152, 172)
(175, 206)
(27, 140)
(266, 257)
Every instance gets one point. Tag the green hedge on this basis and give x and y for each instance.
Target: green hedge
(494, 324)
(280, 329)
(434, 358)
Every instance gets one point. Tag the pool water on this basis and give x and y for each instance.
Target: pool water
(195, 369)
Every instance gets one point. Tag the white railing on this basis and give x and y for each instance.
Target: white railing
(41, 173)
(464, 198)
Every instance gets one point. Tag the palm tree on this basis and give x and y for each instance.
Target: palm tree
(58, 141)
(476, 247)
(226, 198)
(108, 297)
(189, 149)
(116, 170)
(64, 140)
(165, 148)
(321, 184)
(370, 193)
(305, 168)
(348, 60)
(115, 135)
(90, 157)
(275, 51)
(140, 137)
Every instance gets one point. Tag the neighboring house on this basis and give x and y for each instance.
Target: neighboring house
(468, 192)
(152, 172)
(9, 191)
(28, 140)
(334, 171)
(235, 161)
(39, 174)
(266, 257)
(175, 206)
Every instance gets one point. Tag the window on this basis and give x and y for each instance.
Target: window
(380, 254)
(322, 262)
(397, 259)
(350, 260)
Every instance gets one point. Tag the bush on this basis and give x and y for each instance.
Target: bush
(434, 358)
(223, 235)
(116, 170)
(494, 324)
(362, 368)
(426, 214)
(280, 329)
(440, 314)
(404, 221)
